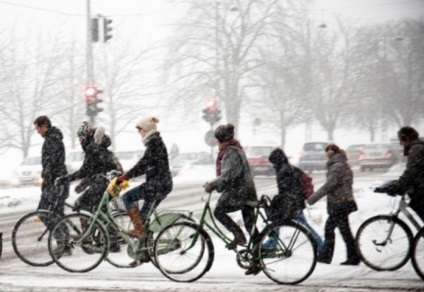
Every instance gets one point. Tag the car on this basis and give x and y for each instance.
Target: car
(74, 160)
(28, 172)
(312, 157)
(377, 155)
(353, 151)
(128, 158)
(188, 159)
(257, 157)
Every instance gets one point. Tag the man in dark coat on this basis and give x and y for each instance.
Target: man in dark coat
(53, 164)
(155, 165)
(412, 179)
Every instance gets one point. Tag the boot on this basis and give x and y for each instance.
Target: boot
(239, 238)
(135, 216)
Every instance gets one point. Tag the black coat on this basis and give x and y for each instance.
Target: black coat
(155, 165)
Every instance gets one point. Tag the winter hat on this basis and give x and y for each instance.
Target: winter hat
(224, 132)
(86, 129)
(277, 156)
(148, 124)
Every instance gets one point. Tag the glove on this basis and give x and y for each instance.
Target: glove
(82, 185)
(62, 180)
(209, 187)
(121, 179)
(393, 190)
(114, 188)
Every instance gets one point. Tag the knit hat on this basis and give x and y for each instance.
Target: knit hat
(277, 156)
(224, 132)
(148, 124)
(86, 129)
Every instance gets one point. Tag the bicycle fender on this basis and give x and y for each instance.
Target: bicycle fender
(165, 219)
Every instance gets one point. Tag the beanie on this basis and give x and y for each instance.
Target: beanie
(86, 129)
(224, 132)
(148, 124)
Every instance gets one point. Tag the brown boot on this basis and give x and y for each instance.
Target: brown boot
(135, 216)
(239, 239)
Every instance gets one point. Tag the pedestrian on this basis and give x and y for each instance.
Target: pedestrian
(290, 186)
(53, 166)
(340, 203)
(412, 179)
(155, 165)
(235, 183)
(98, 160)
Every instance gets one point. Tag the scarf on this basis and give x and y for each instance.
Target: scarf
(222, 149)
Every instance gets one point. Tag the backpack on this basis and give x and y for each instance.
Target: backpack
(281, 209)
(306, 181)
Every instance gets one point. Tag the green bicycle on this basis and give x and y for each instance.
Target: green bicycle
(85, 245)
(291, 262)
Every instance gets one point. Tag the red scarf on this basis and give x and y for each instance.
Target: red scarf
(222, 148)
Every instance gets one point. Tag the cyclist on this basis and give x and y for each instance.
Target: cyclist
(53, 163)
(290, 186)
(155, 165)
(234, 180)
(412, 179)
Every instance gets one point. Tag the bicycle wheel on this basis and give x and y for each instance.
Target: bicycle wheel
(417, 255)
(72, 254)
(294, 258)
(30, 238)
(384, 243)
(181, 257)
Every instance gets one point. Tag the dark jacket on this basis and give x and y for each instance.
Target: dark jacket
(53, 163)
(155, 165)
(412, 179)
(235, 181)
(337, 188)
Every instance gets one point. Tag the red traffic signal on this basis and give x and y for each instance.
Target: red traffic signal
(211, 105)
(91, 97)
(211, 113)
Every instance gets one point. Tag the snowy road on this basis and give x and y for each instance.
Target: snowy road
(225, 275)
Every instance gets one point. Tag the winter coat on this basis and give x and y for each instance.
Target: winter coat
(412, 179)
(338, 187)
(235, 181)
(155, 165)
(97, 159)
(52, 161)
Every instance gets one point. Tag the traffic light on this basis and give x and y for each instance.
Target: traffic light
(92, 100)
(107, 29)
(94, 30)
(211, 113)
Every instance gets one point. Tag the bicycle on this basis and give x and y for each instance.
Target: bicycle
(291, 262)
(30, 234)
(417, 254)
(86, 245)
(384, 242)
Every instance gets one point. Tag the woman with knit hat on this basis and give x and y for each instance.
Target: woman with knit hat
(235, 183)
(155, 165)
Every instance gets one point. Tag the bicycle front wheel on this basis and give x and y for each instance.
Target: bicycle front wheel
(72, 253)
(293, 259)
(384, 243)
(30, 237)
(182, 253)
(417, 255)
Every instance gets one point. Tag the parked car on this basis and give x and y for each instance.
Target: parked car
(28, 172)
(377, 155)
(353, 151)
(188, 159)
(257, 156)
(312, 157)
(128, 158)
(74, 160)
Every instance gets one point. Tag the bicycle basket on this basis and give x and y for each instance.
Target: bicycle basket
(117, 204)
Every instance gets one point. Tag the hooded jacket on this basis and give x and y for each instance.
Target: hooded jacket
(53, 156)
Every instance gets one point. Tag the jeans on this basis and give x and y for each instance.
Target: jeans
(139, 193)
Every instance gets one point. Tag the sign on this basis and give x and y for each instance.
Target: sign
(210, 138)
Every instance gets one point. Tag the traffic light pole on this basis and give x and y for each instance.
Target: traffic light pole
(89, 56)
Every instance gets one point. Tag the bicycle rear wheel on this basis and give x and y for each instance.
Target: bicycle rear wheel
(30, 238)
(75, 255)
(417, 255)
(178, 256)
(294, 258)
(380, 248)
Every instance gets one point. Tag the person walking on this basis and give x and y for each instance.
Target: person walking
(53, 166)
(155, 165)
(412, 179)
(290, 186)
(235, 183)
(340, 203)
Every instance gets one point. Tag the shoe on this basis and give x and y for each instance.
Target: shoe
(323, 261)
(62, 250)
(254, 270)
(351, 262)
(115, 248)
